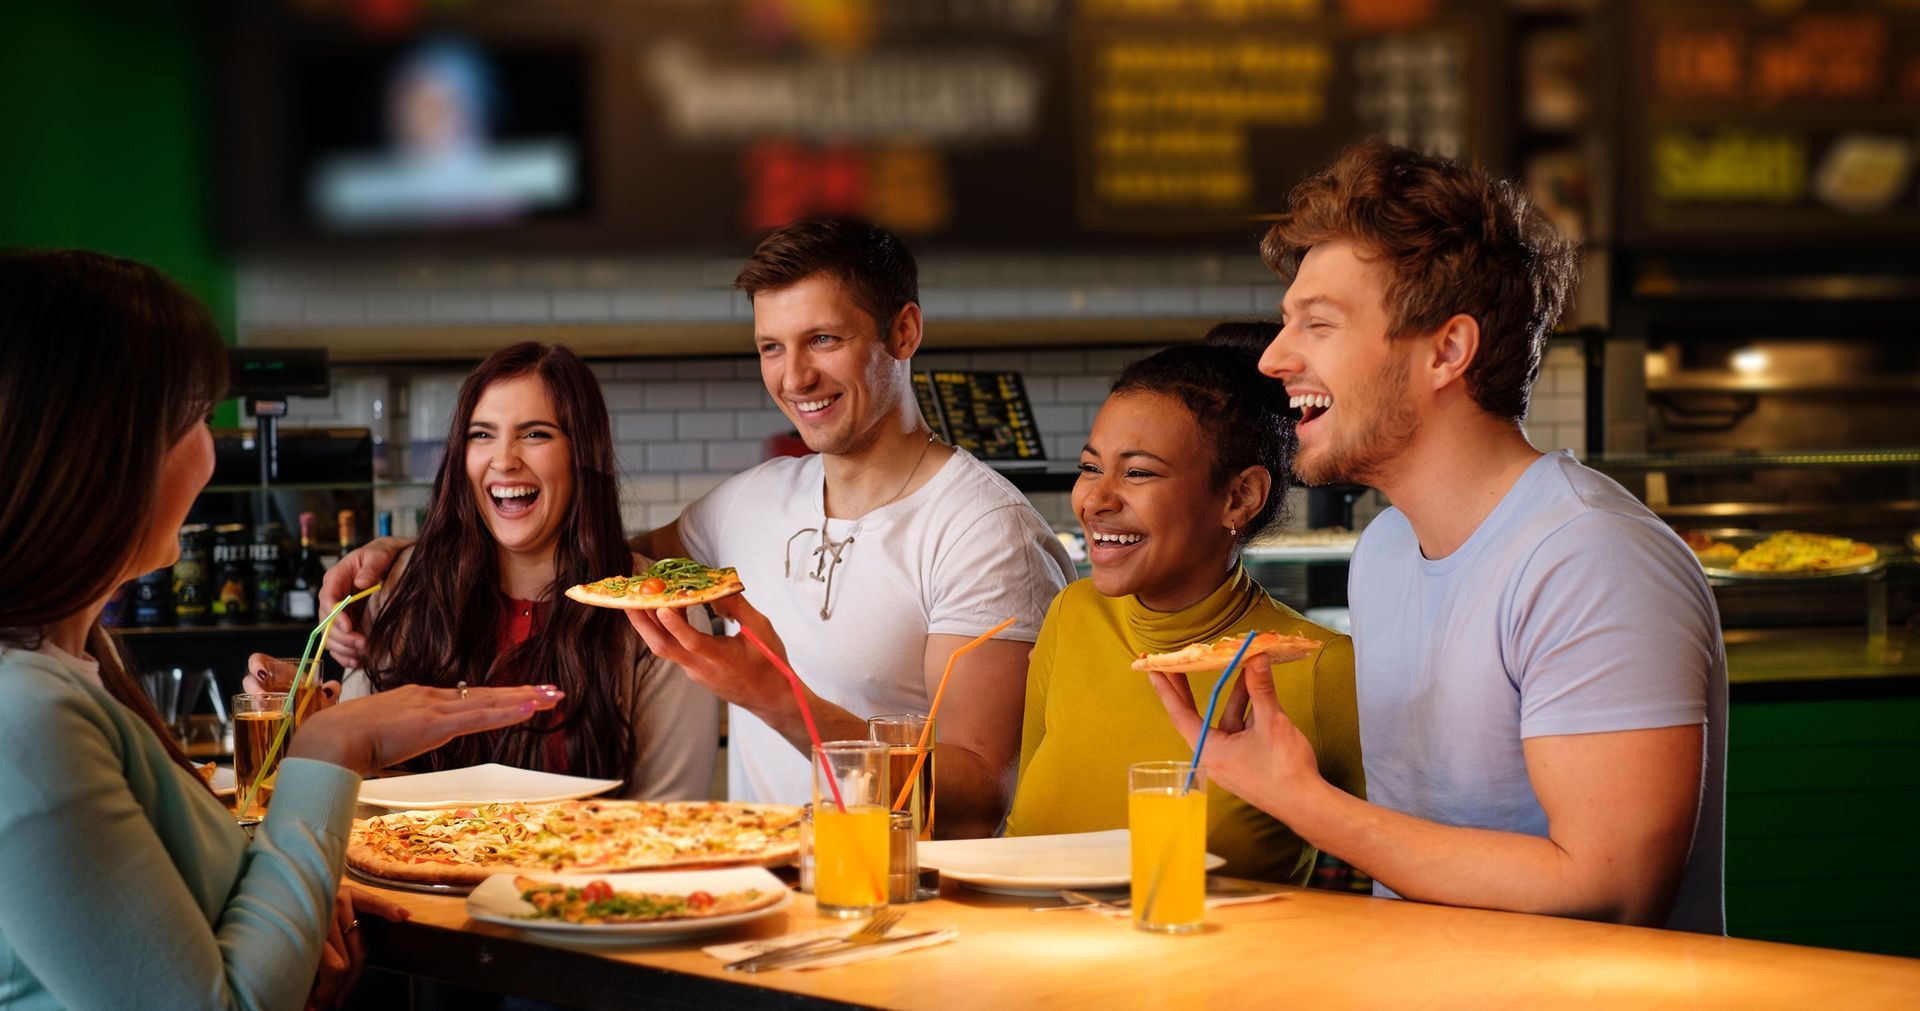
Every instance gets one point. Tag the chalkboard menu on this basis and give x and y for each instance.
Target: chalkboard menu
(985, 413)
(1783, 122)
(965, 122)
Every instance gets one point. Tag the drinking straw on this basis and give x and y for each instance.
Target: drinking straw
(879, 880)
(906, 788)
(1212, 702)
(304, 666)
(800, 696)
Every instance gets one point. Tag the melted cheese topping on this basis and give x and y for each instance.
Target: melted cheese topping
(1791, 551)
(579, 834)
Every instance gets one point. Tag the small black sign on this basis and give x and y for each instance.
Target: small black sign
(985, 413)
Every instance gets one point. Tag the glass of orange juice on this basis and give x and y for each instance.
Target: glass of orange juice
(850, 845)
(1167, 819)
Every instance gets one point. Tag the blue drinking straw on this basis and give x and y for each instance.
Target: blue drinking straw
(1213, 702)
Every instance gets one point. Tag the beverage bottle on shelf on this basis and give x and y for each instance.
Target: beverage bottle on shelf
(152, 603)
(192, 577)
(303, 590)
(232, 576)
(349, 532)
(269, 574)
(383, 524)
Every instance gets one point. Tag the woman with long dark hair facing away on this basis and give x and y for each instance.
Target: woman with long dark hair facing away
(525, 504)
(122, 856)
(1187, 462)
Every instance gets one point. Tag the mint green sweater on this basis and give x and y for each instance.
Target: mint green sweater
(127, 884)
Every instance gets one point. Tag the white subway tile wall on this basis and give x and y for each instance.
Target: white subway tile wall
(1201, 285)
(696, 431)
(681, 425)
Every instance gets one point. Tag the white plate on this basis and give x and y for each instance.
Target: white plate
(498, 901)
(479, 784)
(1038, 864)
(223, 781)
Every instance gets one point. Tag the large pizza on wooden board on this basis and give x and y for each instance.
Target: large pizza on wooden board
(464, 846)
(669, 582)
(1209, 656)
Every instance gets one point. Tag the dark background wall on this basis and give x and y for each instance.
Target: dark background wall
(106, 128)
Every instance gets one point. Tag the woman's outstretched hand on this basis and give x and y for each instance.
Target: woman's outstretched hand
(371, 733)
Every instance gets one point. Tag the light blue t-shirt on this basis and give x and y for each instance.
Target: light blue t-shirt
(1571, 610)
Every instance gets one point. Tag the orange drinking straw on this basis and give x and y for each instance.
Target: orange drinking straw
(800, 696)
(939, 693)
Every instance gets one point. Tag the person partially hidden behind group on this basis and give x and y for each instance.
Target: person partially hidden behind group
(132, 885)
(1187, 461)
(526, 503)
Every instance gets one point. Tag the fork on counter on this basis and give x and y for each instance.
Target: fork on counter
(1081, 900)
(873, 930)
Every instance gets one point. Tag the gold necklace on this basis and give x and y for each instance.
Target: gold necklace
(826, 555)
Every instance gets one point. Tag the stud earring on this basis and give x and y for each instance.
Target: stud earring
(1233, 531)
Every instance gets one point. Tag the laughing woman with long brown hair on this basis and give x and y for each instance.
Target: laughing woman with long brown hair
(131, 885)
(525, 504)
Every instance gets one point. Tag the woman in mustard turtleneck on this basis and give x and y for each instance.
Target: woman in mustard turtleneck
(1187, 461)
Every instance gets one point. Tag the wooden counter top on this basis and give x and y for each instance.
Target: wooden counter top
(1305, 949)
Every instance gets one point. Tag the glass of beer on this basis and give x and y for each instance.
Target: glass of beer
(901, 734)
(258, 721)
(1167, 819)
(850, 845)
(286, 670)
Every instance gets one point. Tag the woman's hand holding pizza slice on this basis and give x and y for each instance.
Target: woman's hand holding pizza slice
(1256, 752)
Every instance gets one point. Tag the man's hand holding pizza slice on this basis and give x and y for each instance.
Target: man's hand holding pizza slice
(668, 584)
(728, 666)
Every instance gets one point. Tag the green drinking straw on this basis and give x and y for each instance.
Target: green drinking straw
(305, 667)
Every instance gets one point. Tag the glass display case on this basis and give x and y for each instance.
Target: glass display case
(1845, 623)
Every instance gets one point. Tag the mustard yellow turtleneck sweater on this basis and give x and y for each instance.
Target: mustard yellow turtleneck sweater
(1089, 715)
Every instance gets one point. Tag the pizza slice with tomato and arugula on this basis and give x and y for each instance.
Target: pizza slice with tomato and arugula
(599, 902)
(669, 582)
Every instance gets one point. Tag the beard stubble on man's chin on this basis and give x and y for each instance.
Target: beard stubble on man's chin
(1374, 441)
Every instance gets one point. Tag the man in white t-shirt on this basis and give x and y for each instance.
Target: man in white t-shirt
(1541, 681)
(868, 562)
(873, 559)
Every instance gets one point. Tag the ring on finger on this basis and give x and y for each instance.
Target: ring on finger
(463, 688)
(352, 926)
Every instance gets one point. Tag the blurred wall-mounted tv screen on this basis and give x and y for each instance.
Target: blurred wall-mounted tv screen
(441, 133)
(335, 138)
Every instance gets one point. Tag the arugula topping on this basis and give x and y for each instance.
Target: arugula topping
(683, 574)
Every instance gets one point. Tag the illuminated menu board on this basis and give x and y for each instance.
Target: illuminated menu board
(1196, 114)
(1781, 121)
(967, 122)
(985, 413)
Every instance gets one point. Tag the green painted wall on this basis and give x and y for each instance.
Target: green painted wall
(1823, 823)
(107, 136)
